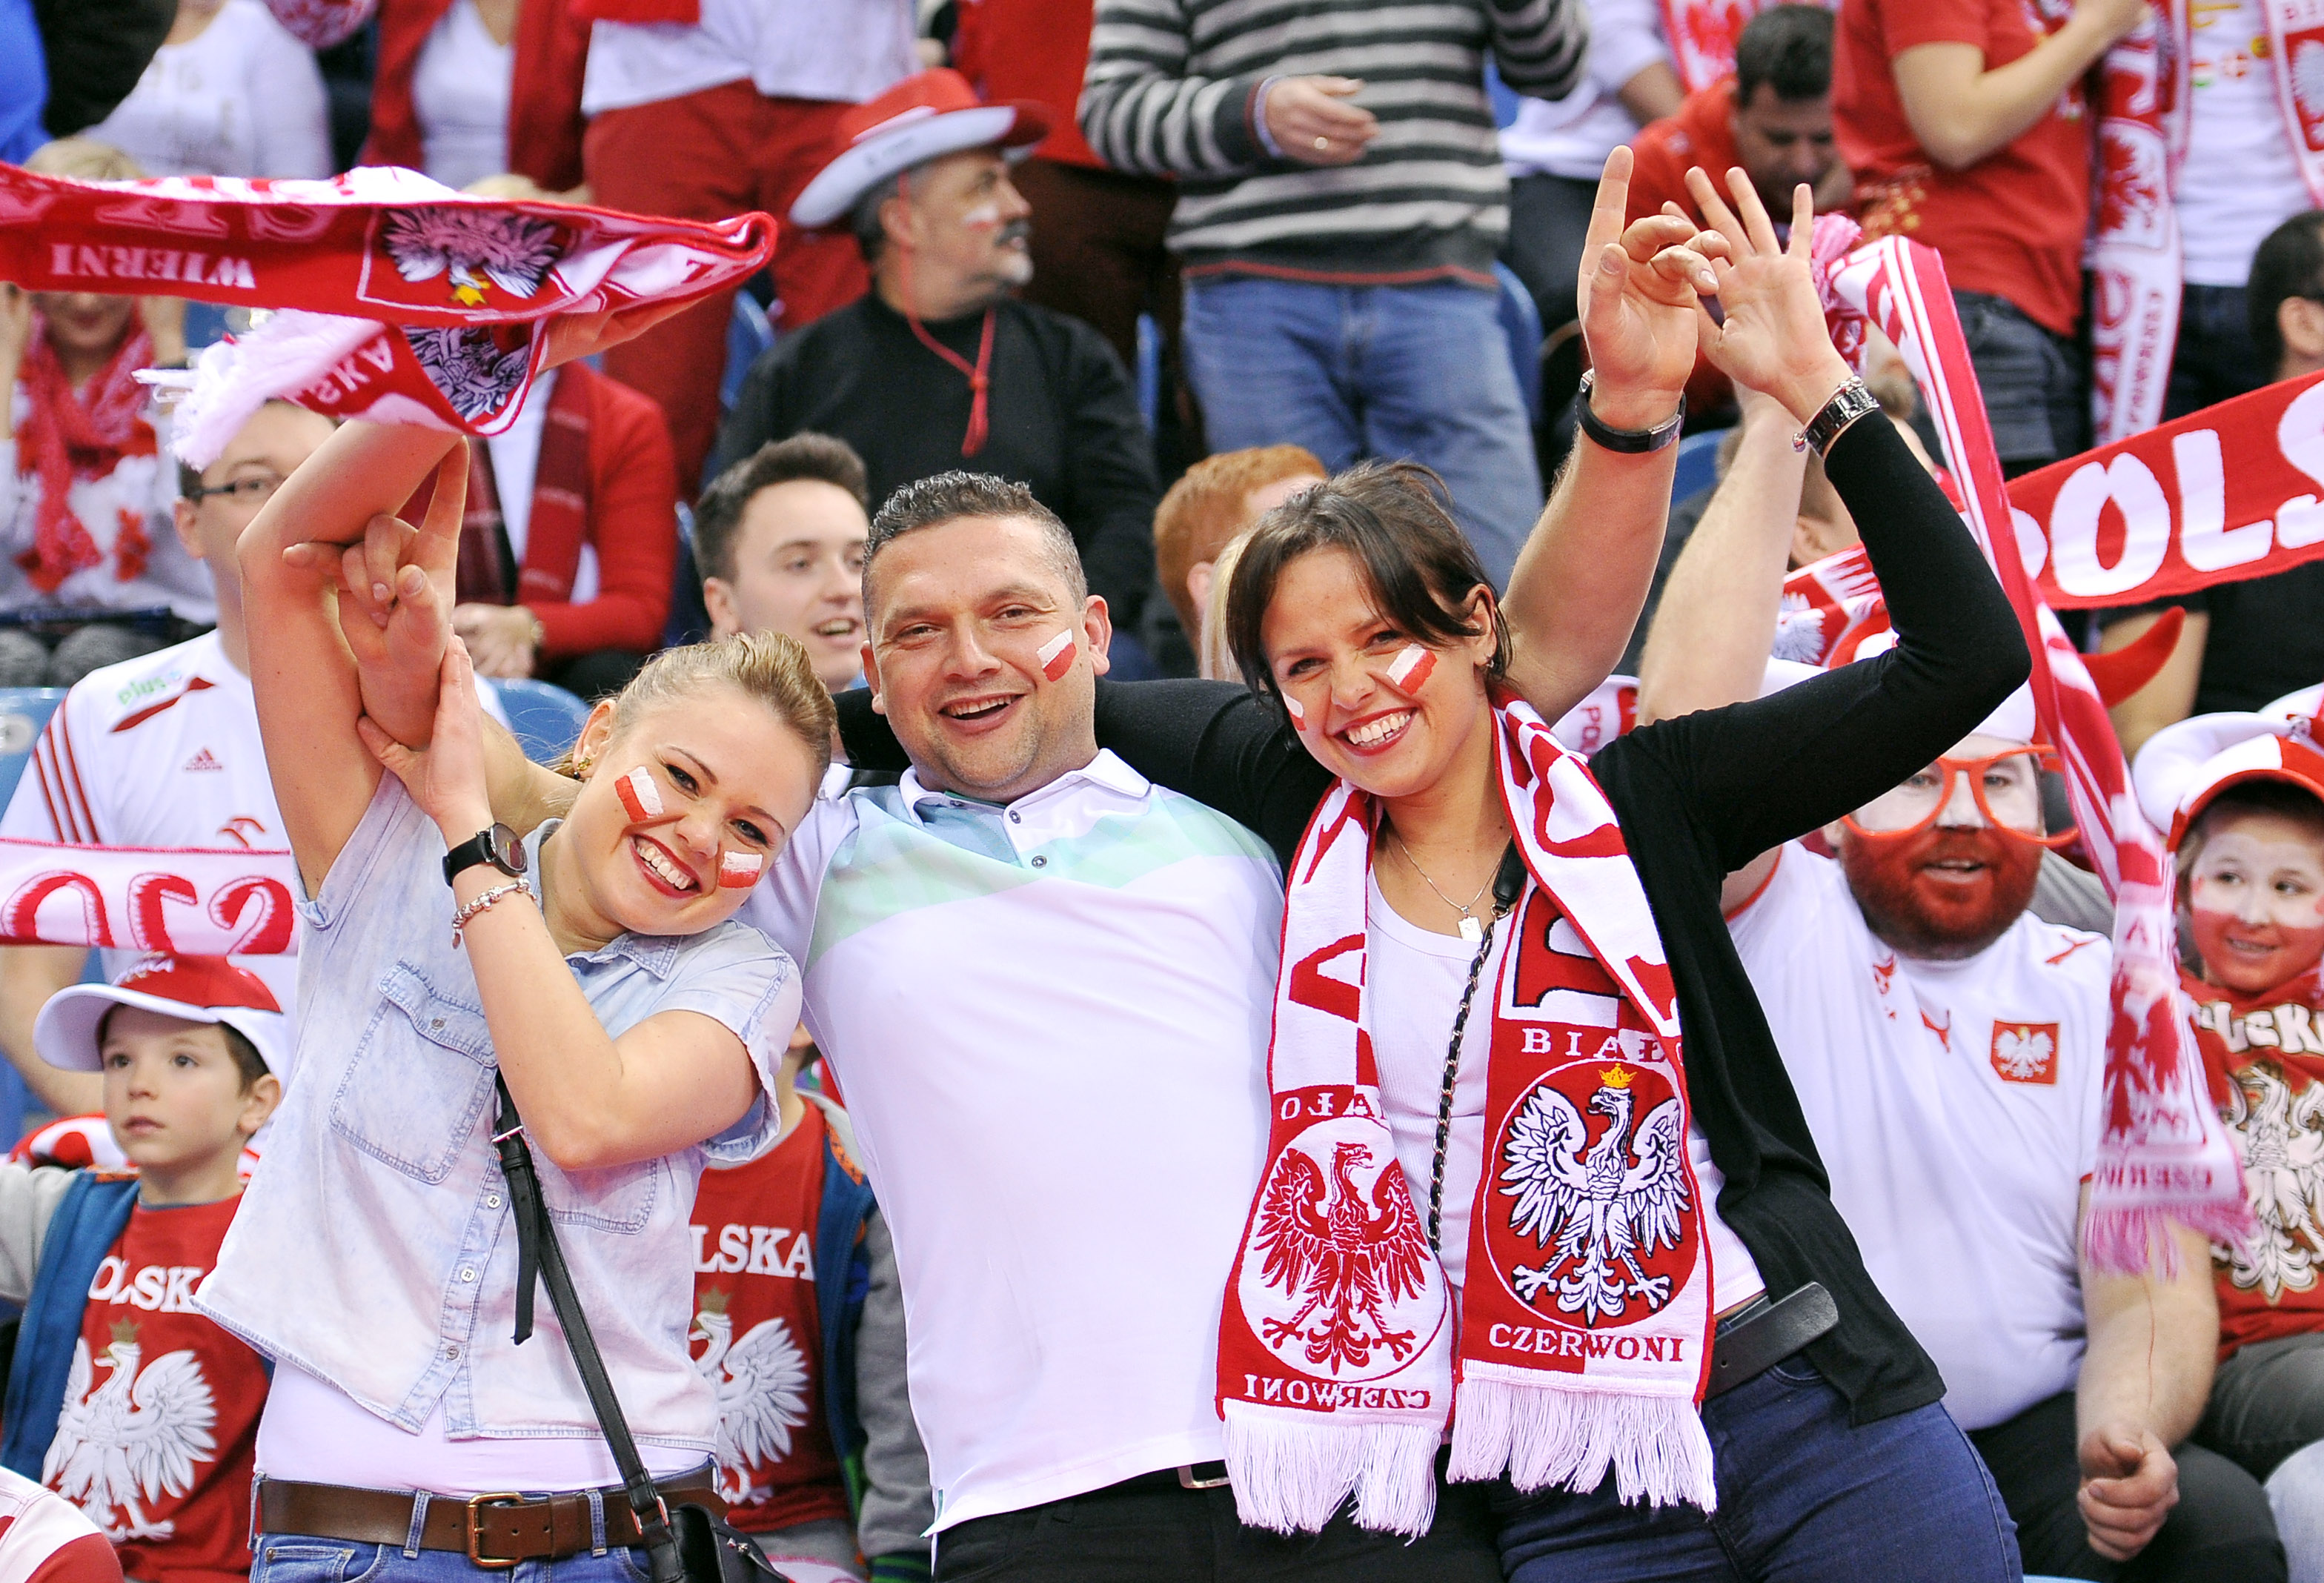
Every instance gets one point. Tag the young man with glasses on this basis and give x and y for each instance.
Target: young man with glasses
(1948, 1048)
(162, 750)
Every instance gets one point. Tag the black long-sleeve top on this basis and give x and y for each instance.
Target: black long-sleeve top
(1062, 418)
(1698, 797)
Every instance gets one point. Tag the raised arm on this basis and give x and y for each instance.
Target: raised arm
(1963, 110)
(302, 668)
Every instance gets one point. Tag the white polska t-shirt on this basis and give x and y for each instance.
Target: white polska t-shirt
(1049, 1022)
(1956, 1105)
(1413, 980)
(2240, 179)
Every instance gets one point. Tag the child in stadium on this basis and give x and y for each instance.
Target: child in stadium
(121, 1397)
(800, 1318)
(2243, 798)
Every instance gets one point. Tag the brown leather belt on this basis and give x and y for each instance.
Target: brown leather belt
(494, 1531)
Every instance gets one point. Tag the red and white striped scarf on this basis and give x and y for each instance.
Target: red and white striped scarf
(1583, 1336)
(183, 900)
(2162, 1155)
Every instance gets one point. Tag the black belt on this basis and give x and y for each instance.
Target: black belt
(1750, 1341)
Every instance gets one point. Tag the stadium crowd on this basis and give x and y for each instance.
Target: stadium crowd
(1491, 789)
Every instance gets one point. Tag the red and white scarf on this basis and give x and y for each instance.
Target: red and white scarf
(1583, 1336)
(393, 298)
(2162, 1156)
(1701, 35)
(70, 434)
(184, 901)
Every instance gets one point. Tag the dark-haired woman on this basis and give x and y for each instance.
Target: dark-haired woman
(1508, 974)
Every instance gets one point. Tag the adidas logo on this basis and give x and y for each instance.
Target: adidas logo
(203, 760)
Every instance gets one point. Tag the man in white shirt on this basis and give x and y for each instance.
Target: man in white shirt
(1948, 1048)
(728, 112)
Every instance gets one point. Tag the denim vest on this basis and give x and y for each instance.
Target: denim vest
(373, 1248)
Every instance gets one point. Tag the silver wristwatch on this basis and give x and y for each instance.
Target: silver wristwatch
(1852, 402)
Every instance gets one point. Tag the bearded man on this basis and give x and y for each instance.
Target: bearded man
(1948, 1047)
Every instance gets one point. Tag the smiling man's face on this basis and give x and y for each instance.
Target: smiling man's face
(982, 656)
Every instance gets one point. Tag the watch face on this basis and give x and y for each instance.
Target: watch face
(507, 849)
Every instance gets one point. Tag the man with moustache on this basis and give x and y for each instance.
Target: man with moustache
(1948, 1049)
(939, 366)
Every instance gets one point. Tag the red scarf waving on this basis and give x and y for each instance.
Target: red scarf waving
(67, 436)
(1585, 1329)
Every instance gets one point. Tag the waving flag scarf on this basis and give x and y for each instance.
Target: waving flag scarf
(2162, 1155)
(1701, 35)
(1583, 1335)
(181, 900)
(392, 298)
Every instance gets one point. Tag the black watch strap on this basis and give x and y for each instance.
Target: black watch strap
(495, 844)
(1629, 442)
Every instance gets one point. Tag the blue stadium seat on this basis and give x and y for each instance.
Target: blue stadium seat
(748, 334)
(23, 711)
(1698, 464)
(1521, 323)
(545, 719)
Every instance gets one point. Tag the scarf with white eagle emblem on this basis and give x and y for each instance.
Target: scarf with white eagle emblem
(1584, 1332)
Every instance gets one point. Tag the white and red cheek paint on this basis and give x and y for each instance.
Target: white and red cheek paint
(984, 216)
(739, 871)
(1056, 654)
(1298, 715)
(1410, 671)
(639, 794)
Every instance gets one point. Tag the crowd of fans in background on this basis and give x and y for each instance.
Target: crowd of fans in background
(1166, 264)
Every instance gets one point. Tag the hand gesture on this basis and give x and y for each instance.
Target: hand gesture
(2129, 1485)
(445, 777)
(1311, 123)
(1638, 292)
(1772, 337)
(499, 637)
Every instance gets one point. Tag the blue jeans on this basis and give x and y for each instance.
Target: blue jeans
(1803, 1497)
(298, 1558)
(1418, 372)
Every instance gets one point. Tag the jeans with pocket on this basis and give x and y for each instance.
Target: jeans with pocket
(1803, 1496)
(1419, 373)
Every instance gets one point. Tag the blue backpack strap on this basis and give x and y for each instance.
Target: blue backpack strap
(89, 1219)
(842, 1276)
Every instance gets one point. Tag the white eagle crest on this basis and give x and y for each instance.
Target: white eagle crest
(762, 1385)
(2281, 1142)
(2308, 78)
(1607, 1204)
(514, 252)
(135, 1439)
(2022, 1054)
(468, 366)
(1799, 631)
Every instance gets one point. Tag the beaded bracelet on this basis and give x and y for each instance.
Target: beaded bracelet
(460, 919)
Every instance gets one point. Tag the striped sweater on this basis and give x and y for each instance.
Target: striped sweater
(1173, 87)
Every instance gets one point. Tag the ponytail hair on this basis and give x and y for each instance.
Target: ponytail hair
(771, 667)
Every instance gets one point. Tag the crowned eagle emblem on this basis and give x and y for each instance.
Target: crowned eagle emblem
(1599, 1208)
(1348, 1256)
(2279, 1137)
(469, 246)
(132, 1440)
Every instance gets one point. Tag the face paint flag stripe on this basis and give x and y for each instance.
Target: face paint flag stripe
(739, 871)
(1056, 654)
(639, 794)
(1412, 669)
(1291, 707)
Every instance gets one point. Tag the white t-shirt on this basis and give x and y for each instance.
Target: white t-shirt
(1413, 980)
(461, 86)
(1571, 137)
(242, 98)
(843, 49)
(1049, 1022)
(2240, 179)
(1956, 1105)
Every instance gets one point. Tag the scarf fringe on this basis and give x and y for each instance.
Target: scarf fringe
(2130, 1239)
(235, 378)
(1564, 1433)
(1292, 1473)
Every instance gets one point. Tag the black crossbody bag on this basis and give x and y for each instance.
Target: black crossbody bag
(686, 1543)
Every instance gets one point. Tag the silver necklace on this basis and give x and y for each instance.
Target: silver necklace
(1470, 929)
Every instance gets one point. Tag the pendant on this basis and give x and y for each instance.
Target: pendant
(1470, 929)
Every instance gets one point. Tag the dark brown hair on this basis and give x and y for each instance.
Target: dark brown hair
(1392, 517)
(951, 497)
(719, 513)
(2283, 798)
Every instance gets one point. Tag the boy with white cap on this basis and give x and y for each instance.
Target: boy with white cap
(121, 1396)
(1948, 1047)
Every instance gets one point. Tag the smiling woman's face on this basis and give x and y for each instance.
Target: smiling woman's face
(1375, 705)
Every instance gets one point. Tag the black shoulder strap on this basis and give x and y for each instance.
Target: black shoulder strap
(538, 1256)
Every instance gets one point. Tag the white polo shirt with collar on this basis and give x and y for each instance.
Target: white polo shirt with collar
(1049, 1021)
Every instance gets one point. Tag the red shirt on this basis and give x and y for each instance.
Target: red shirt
(1034, 50)
(2266, 1059)
(2013, 223)
(1702, 133)
(760, 1335)
(160, 1413)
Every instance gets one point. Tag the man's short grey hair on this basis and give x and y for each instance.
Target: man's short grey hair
(864, 219)
(950, 497)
